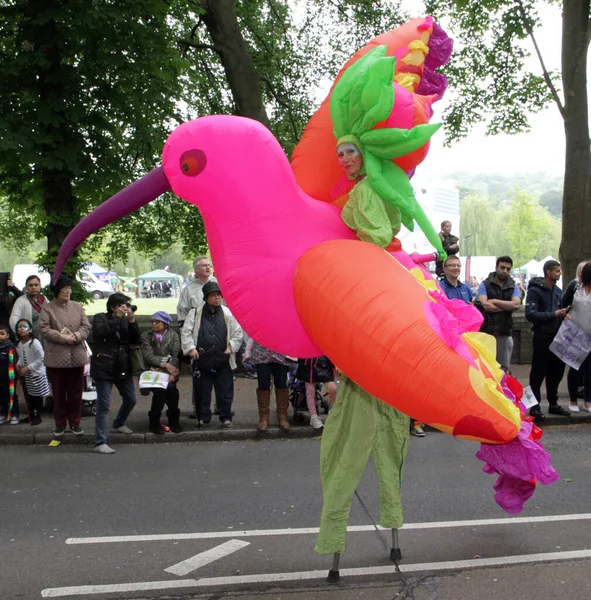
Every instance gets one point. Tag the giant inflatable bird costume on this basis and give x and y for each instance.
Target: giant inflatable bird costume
(322, 245)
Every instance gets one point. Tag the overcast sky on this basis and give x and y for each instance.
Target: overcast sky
(540, 150)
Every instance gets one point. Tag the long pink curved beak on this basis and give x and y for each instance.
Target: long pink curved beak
(134, 196)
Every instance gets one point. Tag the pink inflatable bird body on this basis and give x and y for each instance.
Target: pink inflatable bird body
(258, 221)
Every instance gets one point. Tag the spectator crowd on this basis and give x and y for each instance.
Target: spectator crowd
(51, 348)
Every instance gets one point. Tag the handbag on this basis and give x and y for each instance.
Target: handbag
(137, 359)
(211, 360)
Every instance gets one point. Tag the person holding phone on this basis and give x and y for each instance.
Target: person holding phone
(8, 295)
(112, 333)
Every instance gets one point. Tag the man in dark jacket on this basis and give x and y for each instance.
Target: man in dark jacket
(544, 312)
(500, 296)
(112, 333)
(211, 336)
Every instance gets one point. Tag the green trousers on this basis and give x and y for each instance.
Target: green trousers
(357, 426)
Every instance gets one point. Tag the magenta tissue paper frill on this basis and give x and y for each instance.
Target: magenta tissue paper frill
(440, 49)
(519, 464)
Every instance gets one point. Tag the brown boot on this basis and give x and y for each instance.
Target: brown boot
(264, 402)
(282, 397)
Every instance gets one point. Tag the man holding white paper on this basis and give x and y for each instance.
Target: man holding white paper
(544, 312)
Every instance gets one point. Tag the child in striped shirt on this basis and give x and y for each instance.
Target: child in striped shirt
(31, 369)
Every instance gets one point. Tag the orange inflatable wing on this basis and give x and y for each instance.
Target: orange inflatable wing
(378, 322)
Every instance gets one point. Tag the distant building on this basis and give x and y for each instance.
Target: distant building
(440, 200)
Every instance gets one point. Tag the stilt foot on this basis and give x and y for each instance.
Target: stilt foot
(333, 576)
(395, 554)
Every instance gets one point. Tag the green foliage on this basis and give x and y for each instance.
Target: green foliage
(484, 218)
(90, 91)
(519, 227)
(552, 201)
(75, 126)
(294, 48)
(487, 72)
(523, 226)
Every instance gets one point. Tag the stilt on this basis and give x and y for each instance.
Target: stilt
(395, 552)
(334, 575)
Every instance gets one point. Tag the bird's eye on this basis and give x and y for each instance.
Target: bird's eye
(192, 162)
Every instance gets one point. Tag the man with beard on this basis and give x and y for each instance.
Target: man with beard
(501, 297)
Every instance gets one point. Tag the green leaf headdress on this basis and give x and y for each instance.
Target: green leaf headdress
(362, 98)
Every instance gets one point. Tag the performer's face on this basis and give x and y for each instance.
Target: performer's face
(350, 158)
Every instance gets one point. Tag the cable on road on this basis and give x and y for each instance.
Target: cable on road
(409, 584)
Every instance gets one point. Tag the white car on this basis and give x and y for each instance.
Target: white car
(97, 288)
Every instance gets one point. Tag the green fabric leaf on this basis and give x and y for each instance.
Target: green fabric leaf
(364, 95)
(390, 182)
(377, 98)
(392, 143)
(393, 185)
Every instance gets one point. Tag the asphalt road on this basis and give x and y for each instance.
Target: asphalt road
(70, 519)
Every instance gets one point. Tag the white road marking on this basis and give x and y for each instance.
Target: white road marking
(307, 575)
(117, 588)
(205, 535)
(204, 558)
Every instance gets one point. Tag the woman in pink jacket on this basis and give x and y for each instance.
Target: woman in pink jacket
(64, 327)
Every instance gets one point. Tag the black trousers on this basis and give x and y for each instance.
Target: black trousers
(222, 381)
(169, 396)
(545, 365)
(34, 403)
(276, 370)
(581, 377)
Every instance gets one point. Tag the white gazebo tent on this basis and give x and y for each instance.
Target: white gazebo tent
(161, 275)
(533, 268)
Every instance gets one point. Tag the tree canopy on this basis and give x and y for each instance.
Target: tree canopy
(90, 92)
(514, 224)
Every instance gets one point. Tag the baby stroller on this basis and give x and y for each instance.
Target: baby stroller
(297, 397)
(89, 394)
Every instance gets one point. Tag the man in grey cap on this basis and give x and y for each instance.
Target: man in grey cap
(192, 296)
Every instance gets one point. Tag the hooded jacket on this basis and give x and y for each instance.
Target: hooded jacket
(542, 304)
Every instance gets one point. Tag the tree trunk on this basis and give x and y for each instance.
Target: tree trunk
(54, 129)
(58, 201)
(245, 83)
(576, 208)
